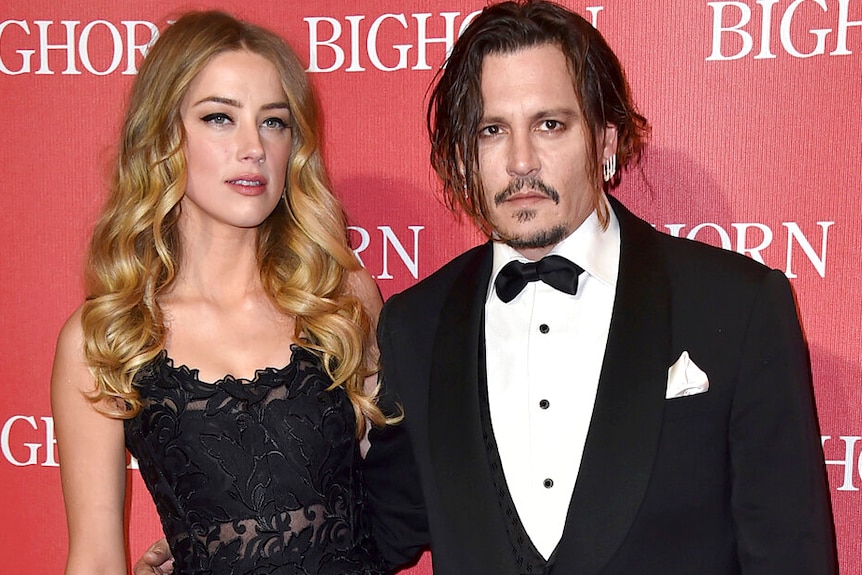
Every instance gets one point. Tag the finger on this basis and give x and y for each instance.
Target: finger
(142, 568)
(152, 562)
(160, 549)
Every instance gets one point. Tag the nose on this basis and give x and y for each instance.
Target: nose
(250, 145)
(523, 159)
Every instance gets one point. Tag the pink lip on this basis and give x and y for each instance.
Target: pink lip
(248, 184)
(527, 195)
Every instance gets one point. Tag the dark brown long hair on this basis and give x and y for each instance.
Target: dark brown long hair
(456, 108)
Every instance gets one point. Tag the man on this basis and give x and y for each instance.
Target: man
(656, 420)
(651, 414)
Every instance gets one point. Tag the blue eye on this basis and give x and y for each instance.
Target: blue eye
(275, 123)
(216, 118)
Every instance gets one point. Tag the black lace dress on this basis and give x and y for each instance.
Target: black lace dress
(256, 476)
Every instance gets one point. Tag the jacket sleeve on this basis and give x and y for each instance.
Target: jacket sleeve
(394, 490)
(780, 498)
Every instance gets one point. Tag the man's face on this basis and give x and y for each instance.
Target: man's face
(533, 149)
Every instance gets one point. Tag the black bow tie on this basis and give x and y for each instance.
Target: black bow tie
(556, 271)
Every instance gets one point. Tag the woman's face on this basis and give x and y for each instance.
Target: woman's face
(238, 138)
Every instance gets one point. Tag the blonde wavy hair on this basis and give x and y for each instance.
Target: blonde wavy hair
(302, 248)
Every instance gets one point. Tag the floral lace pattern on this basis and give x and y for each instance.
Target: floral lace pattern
(258, 476)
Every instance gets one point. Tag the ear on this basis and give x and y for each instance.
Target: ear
(607, 142)
(462, 169)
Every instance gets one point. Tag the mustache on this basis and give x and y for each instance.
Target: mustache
(531, 182)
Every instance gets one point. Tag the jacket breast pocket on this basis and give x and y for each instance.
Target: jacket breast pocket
(689, 406)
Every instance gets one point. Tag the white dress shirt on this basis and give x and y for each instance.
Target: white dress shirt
(544, 352)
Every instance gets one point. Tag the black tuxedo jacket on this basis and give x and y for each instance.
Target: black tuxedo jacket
(725, 482)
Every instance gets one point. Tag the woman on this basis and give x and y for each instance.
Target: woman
(228, 329)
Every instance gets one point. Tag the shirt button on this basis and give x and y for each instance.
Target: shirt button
(548, 483)
(544, 328)
(544, 404)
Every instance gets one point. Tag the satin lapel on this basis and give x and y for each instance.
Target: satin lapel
(455, 434)
(626, 422)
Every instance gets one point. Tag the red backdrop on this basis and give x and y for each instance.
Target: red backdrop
(756, 146)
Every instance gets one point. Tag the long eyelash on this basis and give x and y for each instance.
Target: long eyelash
(215, 115)
(282, 124)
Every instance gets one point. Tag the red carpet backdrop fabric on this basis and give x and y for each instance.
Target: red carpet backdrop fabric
(756, 145)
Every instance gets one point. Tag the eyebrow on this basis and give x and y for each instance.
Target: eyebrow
(236, 104)
(567, 112)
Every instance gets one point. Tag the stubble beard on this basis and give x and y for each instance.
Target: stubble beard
(540, 238)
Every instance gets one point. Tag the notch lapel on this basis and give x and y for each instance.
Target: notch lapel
(626, 422)
(457, 446)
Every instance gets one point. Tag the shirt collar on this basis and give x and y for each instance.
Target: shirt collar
(595, 249)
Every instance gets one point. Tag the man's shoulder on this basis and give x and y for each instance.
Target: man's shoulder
(419, 307)
(436, 284)
(688, 257)
(694, 257)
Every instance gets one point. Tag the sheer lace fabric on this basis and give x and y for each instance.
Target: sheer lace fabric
(257, 476)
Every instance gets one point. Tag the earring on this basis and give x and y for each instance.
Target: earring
(609, 168)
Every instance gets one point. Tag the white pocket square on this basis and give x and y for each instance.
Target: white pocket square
(685, 378)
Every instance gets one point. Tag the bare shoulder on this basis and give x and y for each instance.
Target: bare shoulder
(70, 368)
(72, 333)
(362, 285)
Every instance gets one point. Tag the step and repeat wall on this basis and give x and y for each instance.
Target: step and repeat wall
(756, 147)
